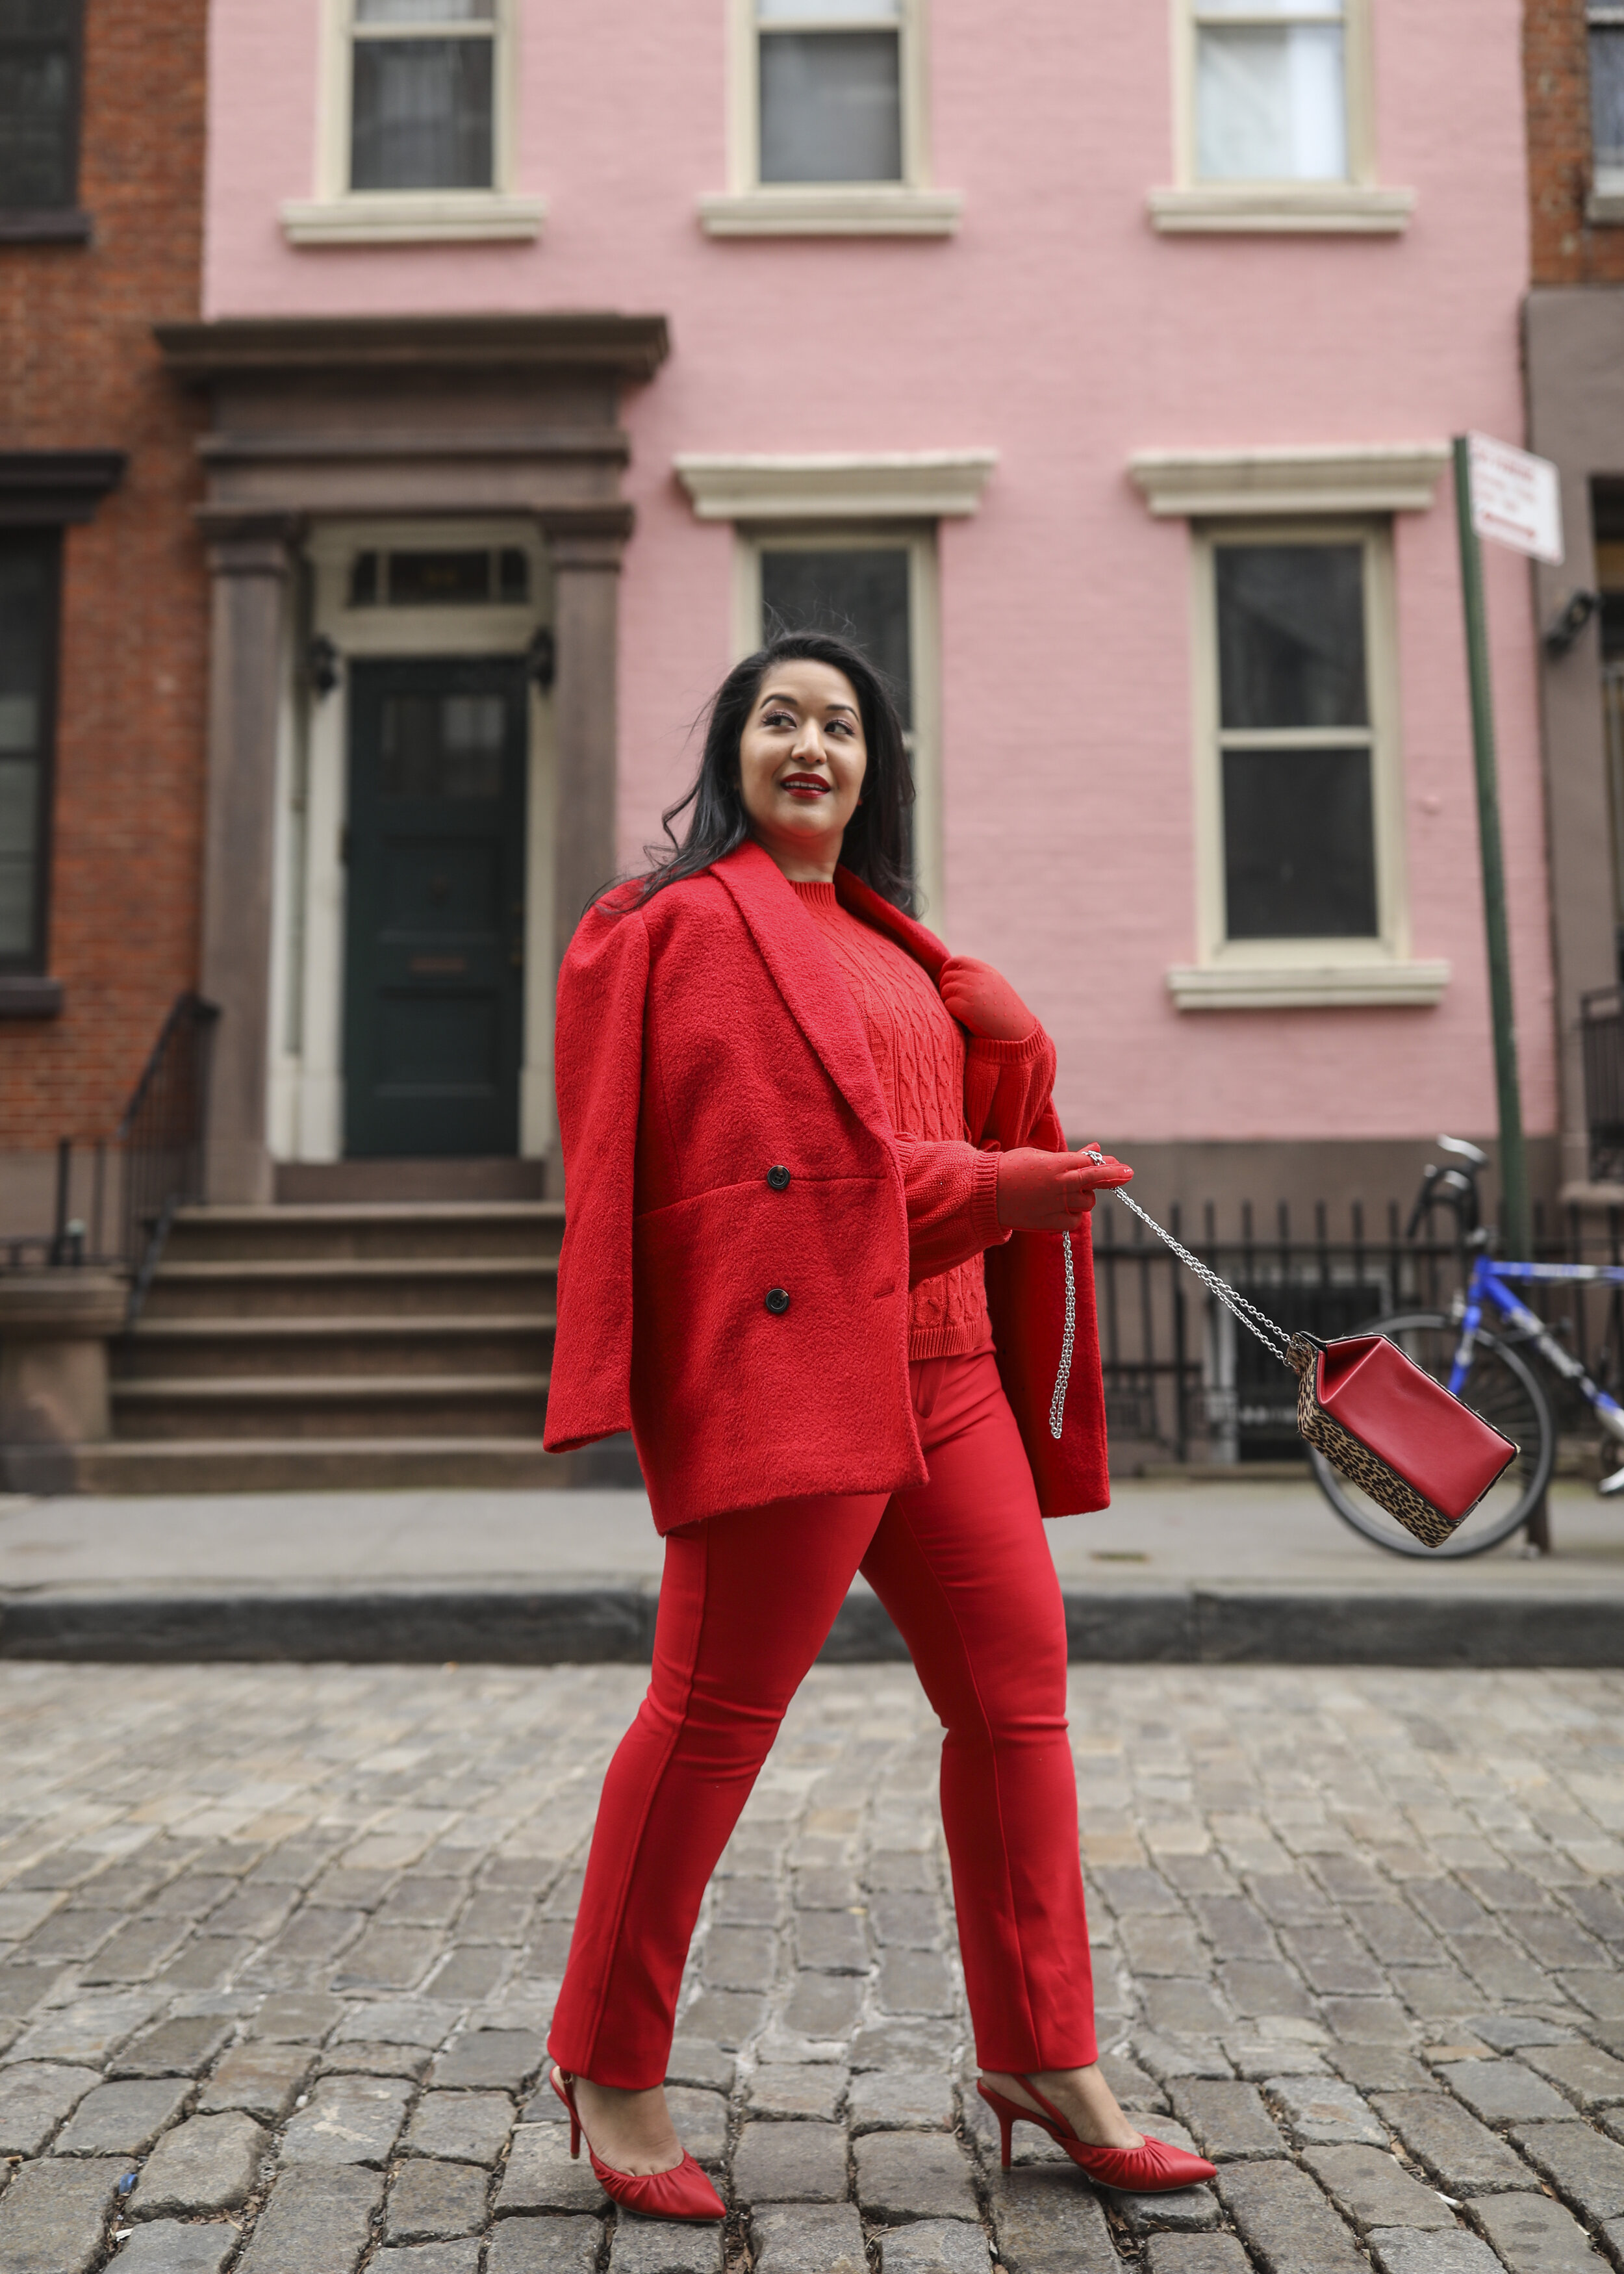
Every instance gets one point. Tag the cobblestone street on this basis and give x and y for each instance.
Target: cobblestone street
(280, 1946)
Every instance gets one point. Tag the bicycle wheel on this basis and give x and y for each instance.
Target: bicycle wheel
(1505, 1391)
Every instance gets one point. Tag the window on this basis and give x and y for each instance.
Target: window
(1274, 129)
(1606, 39)
(29, 564)
(422, 83)
(1301, 897)
(876, 588)
(1294, 741)
(417, 130)
(828, 123)
(1271, 91)
(830, 90)
(39, 105)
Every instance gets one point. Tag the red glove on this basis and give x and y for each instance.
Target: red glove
(981, 999)
(1052, 1192)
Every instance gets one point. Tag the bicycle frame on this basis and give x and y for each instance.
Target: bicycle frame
(1487, 1289)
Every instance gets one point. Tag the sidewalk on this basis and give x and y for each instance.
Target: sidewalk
(1174, 1572)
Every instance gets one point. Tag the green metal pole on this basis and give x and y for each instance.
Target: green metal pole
(1516, 1220)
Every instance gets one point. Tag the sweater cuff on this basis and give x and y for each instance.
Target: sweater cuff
(984, 1203)
(1029, 1048)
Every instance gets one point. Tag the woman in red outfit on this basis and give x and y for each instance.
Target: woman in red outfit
(793, 1127)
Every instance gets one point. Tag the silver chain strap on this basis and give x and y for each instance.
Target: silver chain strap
(1275, 1339)
(1057, 1403)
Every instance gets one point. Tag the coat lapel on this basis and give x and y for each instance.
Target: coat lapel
(807, 976)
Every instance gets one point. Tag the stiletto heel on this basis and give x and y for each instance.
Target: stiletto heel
(684, 2192)
(1155, 2168)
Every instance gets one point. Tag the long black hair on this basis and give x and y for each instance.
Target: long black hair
(876, 846)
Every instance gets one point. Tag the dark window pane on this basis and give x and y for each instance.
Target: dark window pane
(830, 107)
(1607, 94)
(38, 103)
(861, 593)
(1612, 626)
(363, 581)
(419, 580)
(513, 575)
(1299, 845)
(1291, 636)
(27, 579)
(421, 115)
(446, 746)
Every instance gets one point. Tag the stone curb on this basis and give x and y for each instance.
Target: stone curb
(610, 1622)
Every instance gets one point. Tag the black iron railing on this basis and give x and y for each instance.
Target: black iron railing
(1601, 1029)
(163, 1133)
(1182, 1378)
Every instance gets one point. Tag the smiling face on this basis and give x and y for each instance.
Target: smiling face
(801, 762)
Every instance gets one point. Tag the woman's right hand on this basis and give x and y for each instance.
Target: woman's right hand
(1053, 1191)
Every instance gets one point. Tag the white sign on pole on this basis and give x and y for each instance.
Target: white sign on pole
(1516, 499)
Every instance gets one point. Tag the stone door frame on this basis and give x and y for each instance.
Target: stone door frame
(341, 419)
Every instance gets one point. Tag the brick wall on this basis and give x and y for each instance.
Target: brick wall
(81, 371)
(1566, 248)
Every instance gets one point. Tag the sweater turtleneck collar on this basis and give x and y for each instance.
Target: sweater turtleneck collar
(819, 894)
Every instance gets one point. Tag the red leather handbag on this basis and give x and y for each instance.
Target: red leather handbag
(1394, 1431)
(1375, 1415)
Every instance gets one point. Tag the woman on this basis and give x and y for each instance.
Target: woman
(792, 1127)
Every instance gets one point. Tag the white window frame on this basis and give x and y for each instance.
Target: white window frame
(752, 207)
(919, 540)
(1358, 207)
(1605, 202)
(1316, 973)
(338, 215)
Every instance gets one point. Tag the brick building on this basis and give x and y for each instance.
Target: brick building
(1573, 64)
(102, 624)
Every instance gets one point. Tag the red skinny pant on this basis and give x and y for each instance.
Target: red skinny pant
(747, 1600)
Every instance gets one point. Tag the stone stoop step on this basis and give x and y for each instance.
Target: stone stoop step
(344, 1344)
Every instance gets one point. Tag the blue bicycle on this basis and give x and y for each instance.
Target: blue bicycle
(1484, 1366)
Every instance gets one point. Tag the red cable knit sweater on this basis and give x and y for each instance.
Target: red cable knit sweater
(919, 1054)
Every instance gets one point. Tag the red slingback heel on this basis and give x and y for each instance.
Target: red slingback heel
(683, 2192)
(1153, 2169)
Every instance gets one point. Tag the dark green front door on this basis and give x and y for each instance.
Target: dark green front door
(434, 987)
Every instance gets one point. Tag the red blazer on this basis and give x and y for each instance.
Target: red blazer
(706, 1042)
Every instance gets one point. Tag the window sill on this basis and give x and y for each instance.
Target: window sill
(1605, 208)
(45, 225)
(1307, 986)
(1281, 208)
(414, 217)
(833, 209)
(30, 997)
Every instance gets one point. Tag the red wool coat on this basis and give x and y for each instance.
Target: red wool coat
(704, 1041)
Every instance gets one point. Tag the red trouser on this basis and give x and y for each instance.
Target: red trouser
(747, 1599)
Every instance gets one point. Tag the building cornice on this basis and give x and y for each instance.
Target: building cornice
(628, 346)
(895, 485)
(1373, 478)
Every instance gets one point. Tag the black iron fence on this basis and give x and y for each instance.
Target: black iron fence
(153, 1166)
(1184, 1382)
(1601, 1029)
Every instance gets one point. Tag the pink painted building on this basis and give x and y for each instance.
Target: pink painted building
(1098, 365)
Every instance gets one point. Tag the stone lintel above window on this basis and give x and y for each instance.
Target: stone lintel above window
(922, 484)
(1356, 478)
(38, 487)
